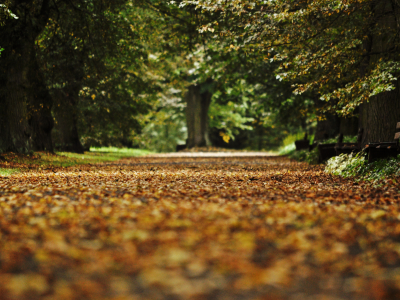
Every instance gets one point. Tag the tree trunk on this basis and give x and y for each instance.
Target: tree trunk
(25, 120)
(381, 113)
(380, 116)
(40, 102)
(5, 138)
(327, 128)
(66, 137)
(15, 135)
(349, 126)
(260, 136)
(198, 103)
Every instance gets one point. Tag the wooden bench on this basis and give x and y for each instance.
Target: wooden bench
(303, 144)
(180, 147)
(348, 148)
(378, 150)
(326, 151)
(313, 146)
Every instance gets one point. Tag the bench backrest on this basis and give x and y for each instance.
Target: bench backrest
(360, 135)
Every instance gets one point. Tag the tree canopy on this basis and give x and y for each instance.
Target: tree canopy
(84, 73)
(322, 46)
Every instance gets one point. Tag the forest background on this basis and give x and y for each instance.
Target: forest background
(234, 74)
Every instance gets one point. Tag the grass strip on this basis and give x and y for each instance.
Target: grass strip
(13, 163)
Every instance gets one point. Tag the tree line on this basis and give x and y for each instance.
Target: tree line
(78, 73)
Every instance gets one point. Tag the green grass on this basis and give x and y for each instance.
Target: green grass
(124, 152)
(15, 162)
(7, 172)
(291, 138)
(104, 154)
(284, 150)
(310, 157)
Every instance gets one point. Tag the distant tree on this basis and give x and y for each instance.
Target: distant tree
(180, 24)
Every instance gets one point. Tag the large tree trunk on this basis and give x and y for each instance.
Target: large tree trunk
(5, 138)
(381, 113)
(66, 136)
(40, 102)
(197, 103)
(15, 135)
(25, 121)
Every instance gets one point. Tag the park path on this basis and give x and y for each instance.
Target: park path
(168, 227)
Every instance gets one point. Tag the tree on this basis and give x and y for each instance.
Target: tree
(346, 52)
(198, 99)
(92, 59)
(183, 40)
(73, 39)
(213, 59)
(26, 121)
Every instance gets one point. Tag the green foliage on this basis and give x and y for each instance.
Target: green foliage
(343, 52)
(291, 138)
(95, 58)
(346, 165)
(166, 66)
(229, 119)
(163, 131)
(5, 13)
(231, 111)
(355, 165)
(310, 157)
(287, 149)
(350, 139)
(250, 108)
(346, 139)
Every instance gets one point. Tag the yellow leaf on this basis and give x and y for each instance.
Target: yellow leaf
(377, 214)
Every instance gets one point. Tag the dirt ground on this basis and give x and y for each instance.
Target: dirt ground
(224, 226)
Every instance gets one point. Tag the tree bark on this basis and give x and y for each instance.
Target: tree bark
(327, 128)
(39, 103)
(349, 126)
(15, 135)
(26, 120)
(66, 137)
(197, 103)
(380, 114)
(66, 99)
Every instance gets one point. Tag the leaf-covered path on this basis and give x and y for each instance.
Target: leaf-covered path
(197, 228)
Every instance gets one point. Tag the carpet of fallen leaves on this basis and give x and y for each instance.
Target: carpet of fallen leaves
(197, 228)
